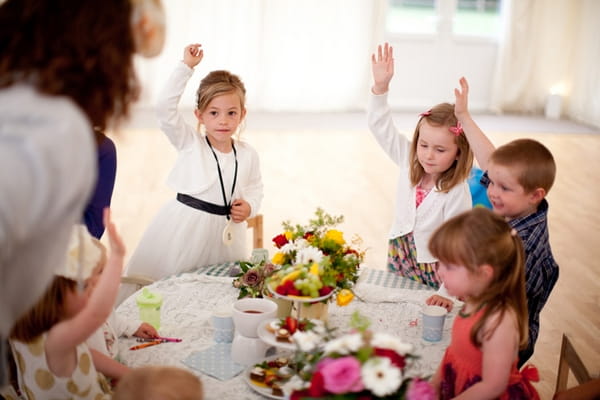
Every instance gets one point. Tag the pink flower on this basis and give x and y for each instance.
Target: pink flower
(342, 375)
(420, 390)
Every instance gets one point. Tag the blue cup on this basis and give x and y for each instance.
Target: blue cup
(433, 322)
(222, 322)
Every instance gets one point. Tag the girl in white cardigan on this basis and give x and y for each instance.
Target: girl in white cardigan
(217, 179)
(434, 167)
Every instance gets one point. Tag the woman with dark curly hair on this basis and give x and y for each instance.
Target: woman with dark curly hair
(66, 69)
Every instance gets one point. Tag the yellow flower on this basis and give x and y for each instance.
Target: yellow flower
(344, 297)
(288, 235)
(314, 269)
(336, 236)
(278, 258)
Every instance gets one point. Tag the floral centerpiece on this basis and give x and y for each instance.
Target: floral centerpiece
(314, 260)
(358, 365)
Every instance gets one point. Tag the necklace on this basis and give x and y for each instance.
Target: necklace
(227, 232)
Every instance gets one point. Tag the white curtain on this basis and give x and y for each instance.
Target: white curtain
(310, 55)
(550, 46)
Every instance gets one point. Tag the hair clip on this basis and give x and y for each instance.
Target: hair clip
(426, 113)
(457, 130)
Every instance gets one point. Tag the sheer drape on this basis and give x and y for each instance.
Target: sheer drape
(550, 45)
(309, 55)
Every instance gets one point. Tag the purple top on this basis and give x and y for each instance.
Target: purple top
(107, 170)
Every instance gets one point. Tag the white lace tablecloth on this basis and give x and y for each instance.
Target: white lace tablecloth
(190, 298)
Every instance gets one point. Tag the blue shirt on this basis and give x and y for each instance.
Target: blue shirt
(541, 270)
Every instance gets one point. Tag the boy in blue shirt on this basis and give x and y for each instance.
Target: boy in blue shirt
(518, 177)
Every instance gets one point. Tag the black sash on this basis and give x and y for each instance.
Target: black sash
(202, 205)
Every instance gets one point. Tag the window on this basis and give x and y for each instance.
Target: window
(461, 17)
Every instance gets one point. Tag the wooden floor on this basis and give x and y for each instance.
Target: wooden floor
(345, 172)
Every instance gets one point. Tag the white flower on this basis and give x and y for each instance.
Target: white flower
(309, 255)
(288, 248)
(301, 243)
(344, 344)
(307, 341)
(380, 376)
(387, 341)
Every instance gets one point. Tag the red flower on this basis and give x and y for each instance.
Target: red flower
(394, 357)
(317, 388)
(308, 235)
(280, 241)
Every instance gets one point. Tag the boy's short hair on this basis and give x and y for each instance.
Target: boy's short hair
(159, 383)
(531, 161)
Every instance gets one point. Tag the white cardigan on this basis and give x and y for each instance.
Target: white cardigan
(436, 208)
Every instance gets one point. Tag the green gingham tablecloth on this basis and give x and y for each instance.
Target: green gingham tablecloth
(368, 275)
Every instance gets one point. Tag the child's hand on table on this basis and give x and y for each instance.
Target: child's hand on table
(146, 331)
(437, 300)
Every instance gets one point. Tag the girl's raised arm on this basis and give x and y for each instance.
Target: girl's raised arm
(65, 336)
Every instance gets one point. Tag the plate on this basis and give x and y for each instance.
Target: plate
(260, 388)
(301, 299)
(269, 337)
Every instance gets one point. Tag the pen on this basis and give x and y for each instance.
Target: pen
(144, 345)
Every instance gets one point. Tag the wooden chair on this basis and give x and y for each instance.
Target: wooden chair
(256, 224)
(570, 360)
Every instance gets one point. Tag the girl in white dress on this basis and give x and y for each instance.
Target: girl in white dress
(217, 178)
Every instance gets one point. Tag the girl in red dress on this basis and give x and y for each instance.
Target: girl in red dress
(482, 261)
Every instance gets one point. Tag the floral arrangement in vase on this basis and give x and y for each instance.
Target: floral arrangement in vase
(315, 260)
(358, 365)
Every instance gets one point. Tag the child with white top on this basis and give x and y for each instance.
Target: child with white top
(48, 342)
(217, 178)
(432, 184)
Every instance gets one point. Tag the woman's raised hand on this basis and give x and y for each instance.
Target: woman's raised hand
(383, 68)
(192, 54)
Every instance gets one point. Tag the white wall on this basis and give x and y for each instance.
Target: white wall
(428, 69)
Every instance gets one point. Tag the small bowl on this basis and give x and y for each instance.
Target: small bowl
(250, 312)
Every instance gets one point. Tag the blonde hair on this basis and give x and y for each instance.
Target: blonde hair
(48, 311)
(159, 383)
(481, 237)
(442, 115)
(531, 161)
(218, 83)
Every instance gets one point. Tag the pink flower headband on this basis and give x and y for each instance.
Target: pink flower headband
(456, 130)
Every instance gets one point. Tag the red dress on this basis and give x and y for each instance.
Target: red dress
(462, 365)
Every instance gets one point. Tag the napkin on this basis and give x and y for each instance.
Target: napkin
(215, 361)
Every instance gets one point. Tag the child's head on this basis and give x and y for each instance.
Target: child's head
(521, 174)
(481, 258)
(159, 383)
(62, 299)
(440, 148)
(220, 104)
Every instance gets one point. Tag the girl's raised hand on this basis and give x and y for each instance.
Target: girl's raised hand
(193, 54)
(382, 65)
(461, 106)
